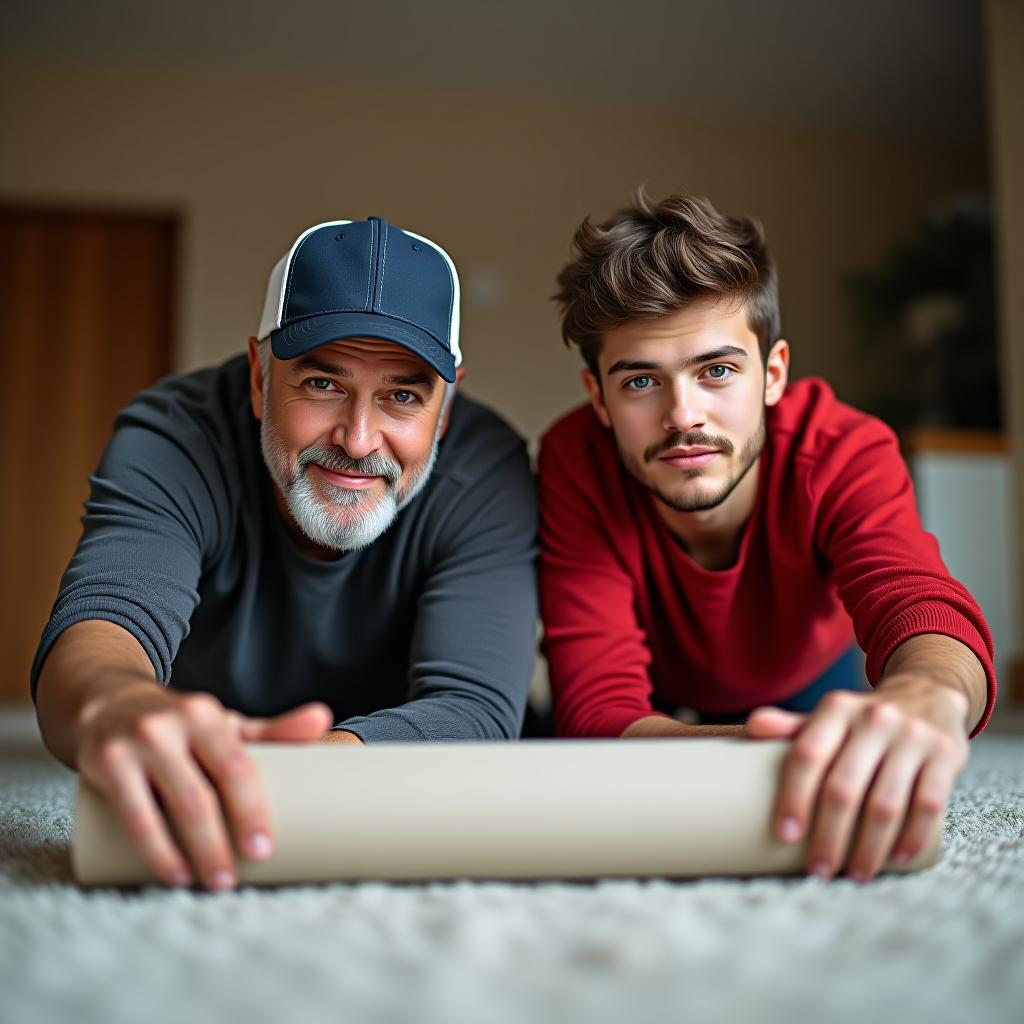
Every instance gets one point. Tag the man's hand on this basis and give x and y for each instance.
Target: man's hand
(174, 765)
(868, 774)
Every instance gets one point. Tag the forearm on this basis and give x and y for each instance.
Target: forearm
(658, 726)
(940, 661)
(90, 661)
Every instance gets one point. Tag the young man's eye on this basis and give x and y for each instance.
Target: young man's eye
(718, 372)
(641, 383)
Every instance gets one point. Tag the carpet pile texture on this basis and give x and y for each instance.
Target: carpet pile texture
(943, 945)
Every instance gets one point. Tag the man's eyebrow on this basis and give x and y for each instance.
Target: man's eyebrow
(313, 363)
(407, 380)
(413, 380)
(633, 365)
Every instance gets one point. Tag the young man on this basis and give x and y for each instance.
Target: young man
(713, 540)
(291, 529)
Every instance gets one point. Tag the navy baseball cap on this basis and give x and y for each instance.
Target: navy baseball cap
(364, 279)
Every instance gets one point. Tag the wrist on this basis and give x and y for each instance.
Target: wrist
(103, 694)
(942, 703)
(940, 664)
(654, 726)
(341, 736)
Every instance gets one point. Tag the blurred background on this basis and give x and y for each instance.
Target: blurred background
(157, 159)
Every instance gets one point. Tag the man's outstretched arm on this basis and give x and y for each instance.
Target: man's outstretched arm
(869, 774)
(166, 761)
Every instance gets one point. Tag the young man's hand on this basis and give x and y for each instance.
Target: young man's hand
(175, 770)
(868, 774)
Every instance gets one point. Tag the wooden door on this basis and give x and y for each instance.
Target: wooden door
(86, 308)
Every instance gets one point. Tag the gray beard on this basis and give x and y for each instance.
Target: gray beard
(702, 502)
(349, 520)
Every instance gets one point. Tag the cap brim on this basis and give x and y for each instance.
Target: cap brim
(298, 338)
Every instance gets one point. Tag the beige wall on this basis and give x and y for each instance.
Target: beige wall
(250, 162)
(1005, 24)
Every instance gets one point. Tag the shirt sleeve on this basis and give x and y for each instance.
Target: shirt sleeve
(475, 638)
(597, 651)
(149, 518)
(888, 569)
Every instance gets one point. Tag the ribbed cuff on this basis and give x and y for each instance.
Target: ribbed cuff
(383, 727)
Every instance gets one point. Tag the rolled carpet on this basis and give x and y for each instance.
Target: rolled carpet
(532, 810)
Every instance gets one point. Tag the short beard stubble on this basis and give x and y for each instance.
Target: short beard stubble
(699, 502)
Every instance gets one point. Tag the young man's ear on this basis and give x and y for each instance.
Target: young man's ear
(593, 386)
(459, 374)
(255, 379)
(776, 372)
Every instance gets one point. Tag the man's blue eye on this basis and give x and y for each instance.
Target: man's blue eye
(641, 383)
(724, 374)
(320, 383)
(404, 397)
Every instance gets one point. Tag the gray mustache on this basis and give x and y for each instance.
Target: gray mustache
(339, 461)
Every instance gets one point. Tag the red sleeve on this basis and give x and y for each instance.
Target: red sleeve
(889, 572)
(596, 649)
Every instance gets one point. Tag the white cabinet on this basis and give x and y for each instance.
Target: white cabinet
(965, 495)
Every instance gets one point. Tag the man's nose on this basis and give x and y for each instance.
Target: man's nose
(357, 430)
(685, 408)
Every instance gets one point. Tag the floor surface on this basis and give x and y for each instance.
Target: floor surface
(943, 945)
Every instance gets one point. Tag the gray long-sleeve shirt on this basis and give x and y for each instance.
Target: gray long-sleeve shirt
(427, 634)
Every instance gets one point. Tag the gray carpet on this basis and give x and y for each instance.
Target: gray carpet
(945, 945)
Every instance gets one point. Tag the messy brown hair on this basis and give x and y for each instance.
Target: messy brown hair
(649, 260)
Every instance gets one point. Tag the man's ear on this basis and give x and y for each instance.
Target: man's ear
(776, 372)
(593, 386)
(459, 374)
(255, 379)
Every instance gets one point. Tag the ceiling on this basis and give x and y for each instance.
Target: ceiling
(895, 66)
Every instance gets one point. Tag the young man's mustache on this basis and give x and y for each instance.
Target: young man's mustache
(693, 439)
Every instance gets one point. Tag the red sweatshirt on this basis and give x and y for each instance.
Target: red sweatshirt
(833, 548)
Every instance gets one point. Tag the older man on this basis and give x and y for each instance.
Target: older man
(321, 539)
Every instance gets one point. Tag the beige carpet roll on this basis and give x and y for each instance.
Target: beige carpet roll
(532, 810)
